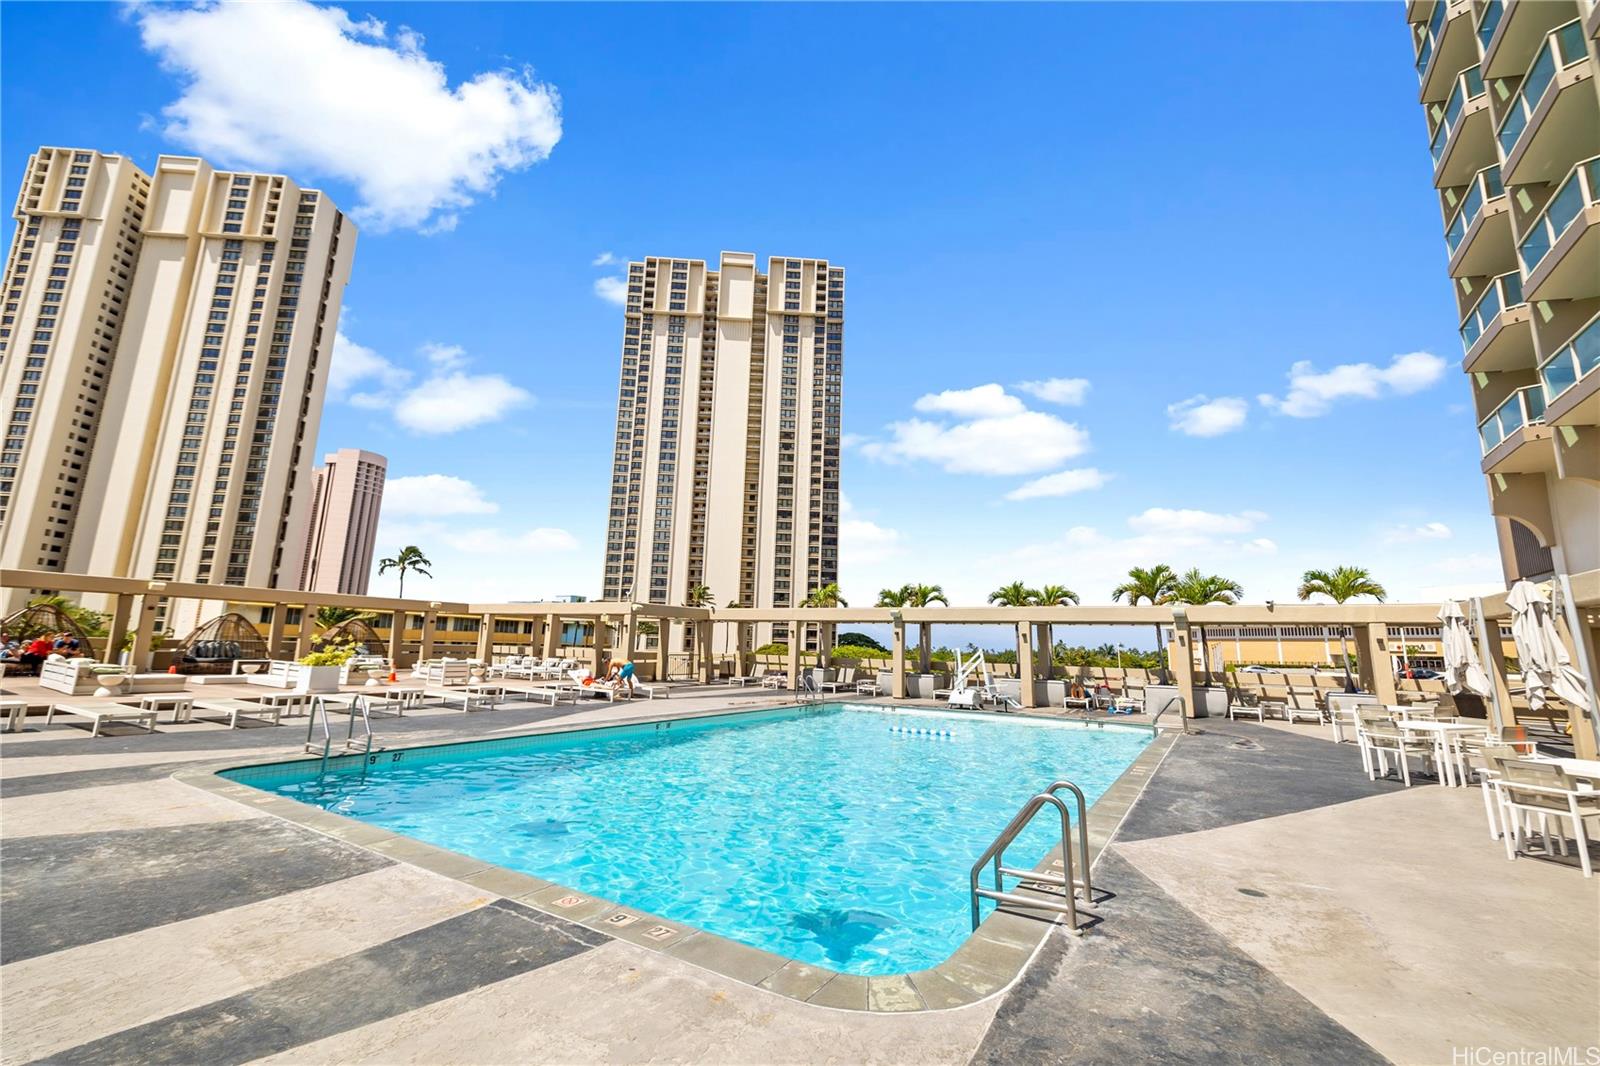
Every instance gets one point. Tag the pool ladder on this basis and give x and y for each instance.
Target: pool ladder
(809, 693)
(319, 715)
(1066, 883)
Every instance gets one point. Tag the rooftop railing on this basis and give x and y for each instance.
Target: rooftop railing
(1562, 47)
(1469, 86)
(1501, 293)
(1525, 407)
(1485, 187)
(1576, 360)
(1580, 189)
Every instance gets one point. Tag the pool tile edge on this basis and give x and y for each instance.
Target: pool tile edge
(986, 964)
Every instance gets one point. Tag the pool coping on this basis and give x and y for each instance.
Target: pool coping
(989, 961)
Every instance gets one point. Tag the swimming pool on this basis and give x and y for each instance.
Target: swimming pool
(839, 835)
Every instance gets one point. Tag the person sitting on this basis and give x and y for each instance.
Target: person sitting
(67, 646)
(36, 653)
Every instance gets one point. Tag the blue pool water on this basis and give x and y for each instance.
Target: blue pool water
(840, 836)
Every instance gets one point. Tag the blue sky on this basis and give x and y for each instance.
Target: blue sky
(1216, 216)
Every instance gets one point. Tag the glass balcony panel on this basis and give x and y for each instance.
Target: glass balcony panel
(1486, 185)
(1524, 406)
(1562, 47)
(1488, 20)
(1578, 358)
(1575, 193)
(1469, 86)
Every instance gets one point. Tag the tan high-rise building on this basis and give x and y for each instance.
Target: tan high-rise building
(346, 497)
(726, 469)
(1513, 116)
(220, 312)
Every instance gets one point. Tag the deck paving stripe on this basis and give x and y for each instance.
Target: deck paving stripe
(64, 891)
(147, 975)
(458, 955)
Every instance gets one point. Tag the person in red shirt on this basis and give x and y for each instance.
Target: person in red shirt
(36, 653)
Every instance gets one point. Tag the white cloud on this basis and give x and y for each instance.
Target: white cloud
(865, 542)
(988, 431)
(603, 259)
(1067, 391)
(982, 401)
(1426, 531)
(612, 290)
(449, 402)
(1023, 443)
(1201, 416)
(1313, 393)
(1168, 521)
(356, 365)
(448, 399)
(427, 495)
(290, 86)
(1063, 483)
(1259, 546)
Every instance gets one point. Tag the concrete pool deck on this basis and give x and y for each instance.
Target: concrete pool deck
(144, 920)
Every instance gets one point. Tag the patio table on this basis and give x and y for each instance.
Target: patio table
(182, 707)
(1444, 747)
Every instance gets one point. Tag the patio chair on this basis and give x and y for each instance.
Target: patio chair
(1530, 788)
(1380, 738)
(755, 677)
(845, 680)
(775, 680)
(1485, 759)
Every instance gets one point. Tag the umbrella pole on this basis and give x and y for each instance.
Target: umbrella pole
(1580, 646)
(1489, 660)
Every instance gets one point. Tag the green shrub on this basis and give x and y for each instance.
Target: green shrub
(860, 640)
(334, 654)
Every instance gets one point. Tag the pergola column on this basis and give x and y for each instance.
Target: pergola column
(794, 654)
(144, 613)
(275, 630)
(552, 633)
(116, 628)
(1502, 713)
(825, 644)
(1377, 675)
(663, 652)
(597, 646)
(1180, 661)
(485, 638)
(397, 635)
(430, 619)
(307, 629)
(897, 652)
(1025, 663)
(1047, 648)
(741, 649)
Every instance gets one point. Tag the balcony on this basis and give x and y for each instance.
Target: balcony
(1461, 144)
(1515, 31)
(1497, 333)
(1478, 235)
(1445, 45)
(1514, 437)
(1561, 251)
(1553, 109)
(1571, 386)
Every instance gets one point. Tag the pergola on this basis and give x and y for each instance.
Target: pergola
(132, 603)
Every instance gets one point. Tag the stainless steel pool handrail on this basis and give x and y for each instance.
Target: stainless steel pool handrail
(1066, 881)
(1166, 707)
(319, 713)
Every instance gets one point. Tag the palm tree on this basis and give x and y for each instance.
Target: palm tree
(1340, 584)
(699, 596)
(1197, 588)
(924, 596)
(328, 617)
(1015, 594)
(894, 597)
(1051, 596)
(826, 596)
(1153, 586)
(409, 558)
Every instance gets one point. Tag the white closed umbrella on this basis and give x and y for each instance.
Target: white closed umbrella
(1462, 670)
(1546, 667)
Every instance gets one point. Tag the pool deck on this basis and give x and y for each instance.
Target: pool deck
(1269, 904)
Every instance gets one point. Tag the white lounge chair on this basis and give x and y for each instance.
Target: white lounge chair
(755, 677)
(232, 710)
(846, 679)
(103, 713)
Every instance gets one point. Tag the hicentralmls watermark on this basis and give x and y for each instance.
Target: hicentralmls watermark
(1527, 1056)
